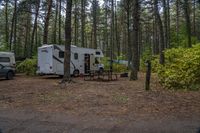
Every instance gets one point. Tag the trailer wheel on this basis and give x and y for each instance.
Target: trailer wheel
(76, 73)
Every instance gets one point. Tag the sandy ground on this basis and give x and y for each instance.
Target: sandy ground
(41, 104)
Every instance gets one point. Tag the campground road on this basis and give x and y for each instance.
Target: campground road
(28, 121)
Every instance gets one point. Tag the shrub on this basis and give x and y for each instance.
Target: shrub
(182, 68)
(28, 66)
(116, 66)
(153, 58)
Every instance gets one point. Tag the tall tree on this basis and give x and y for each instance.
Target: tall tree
(54, 37)
(83, 4)
(59, 24)
(13, 26)
(177, 20)
(160, 26)
(188, 22)
(165, 23)
(135, 42)
(7, 24)
(37, 7)
(67, 53)
(94, 14)
(46, 23)
(127, 9)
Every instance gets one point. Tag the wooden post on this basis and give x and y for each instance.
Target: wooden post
(148, 75)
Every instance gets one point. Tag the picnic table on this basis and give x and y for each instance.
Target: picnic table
(106, 75)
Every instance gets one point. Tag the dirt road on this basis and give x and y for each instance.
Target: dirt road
(40, 104)
(36, 122)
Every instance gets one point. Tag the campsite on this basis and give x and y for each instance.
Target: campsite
(117, 106)
(99, 66)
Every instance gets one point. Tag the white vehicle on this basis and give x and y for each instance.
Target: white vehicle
(7, 59)
(83, 60)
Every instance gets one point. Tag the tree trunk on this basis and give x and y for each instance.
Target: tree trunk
(105, 46)
(54, 37)
(76, 24)
(13, 25)
(94, 6)
(6, 25)
(83, 23)
(15, 28)
(160, 25)
(188, 23)
(177, 20)
(135, 43)
(67, 53)
(116, 31)
(127, 8)
(194, 18)
(59, 25)
(46, 23)
(112, 35)
(34, 27)
(168, 24)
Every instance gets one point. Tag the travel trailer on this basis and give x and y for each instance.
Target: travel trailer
(83, 60)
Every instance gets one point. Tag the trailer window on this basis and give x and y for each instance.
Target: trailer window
(4, 59)
(98, 53)
(76, 56)
(61, 54)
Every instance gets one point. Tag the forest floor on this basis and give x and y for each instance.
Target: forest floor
(116, 106)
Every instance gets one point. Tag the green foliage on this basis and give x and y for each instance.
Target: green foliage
(116, 66)
(182, 68)
(28, 66)
(148, 56)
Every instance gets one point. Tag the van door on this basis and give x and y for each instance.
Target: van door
(87, 63)
(92, 62)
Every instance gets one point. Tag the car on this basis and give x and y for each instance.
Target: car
(6, 72)
(7, 65)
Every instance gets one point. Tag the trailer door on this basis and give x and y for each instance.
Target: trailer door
(45, 60)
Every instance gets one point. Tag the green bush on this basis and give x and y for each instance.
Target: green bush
(182, 68)
(153, 58)
(116, 67)
(28, 66)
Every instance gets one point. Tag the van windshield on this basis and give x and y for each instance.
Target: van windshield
(4, 59)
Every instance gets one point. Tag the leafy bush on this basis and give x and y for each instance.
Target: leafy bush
(182, 68)
(28, 66)
(153, 58)
(116, 66)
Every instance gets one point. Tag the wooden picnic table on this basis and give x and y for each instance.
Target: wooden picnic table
(106, 75)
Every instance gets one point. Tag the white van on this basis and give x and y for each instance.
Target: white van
(83, 60)
(7, 59)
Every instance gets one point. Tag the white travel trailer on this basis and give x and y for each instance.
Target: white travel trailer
(83, 60)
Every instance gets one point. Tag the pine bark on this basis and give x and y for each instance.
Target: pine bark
(135, 43)
(160, 26)
(83, 2)
(188, 22)
(6, 25)
(46, 23)
(67, 53)
(34, 27)
(94, 6)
